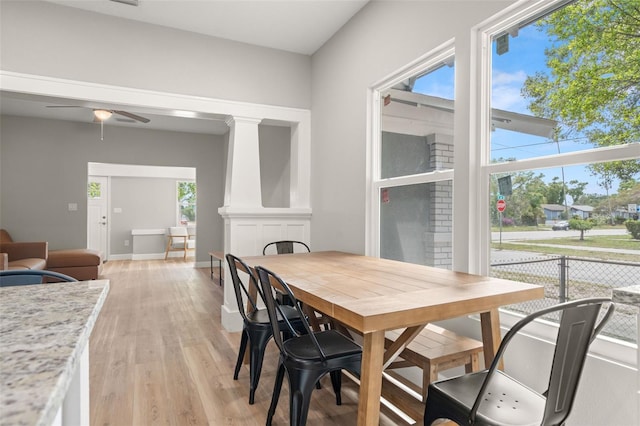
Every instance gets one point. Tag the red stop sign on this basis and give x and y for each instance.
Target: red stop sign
(501, 205)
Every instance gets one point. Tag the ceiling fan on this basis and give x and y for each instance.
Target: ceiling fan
(100, 115)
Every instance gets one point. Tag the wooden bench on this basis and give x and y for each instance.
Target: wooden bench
(436, 349)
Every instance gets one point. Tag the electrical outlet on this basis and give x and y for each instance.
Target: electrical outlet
(126, 243)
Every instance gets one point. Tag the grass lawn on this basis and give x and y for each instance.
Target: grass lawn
(553, 246)
(604, 241)
(559, 251)
(544, 228)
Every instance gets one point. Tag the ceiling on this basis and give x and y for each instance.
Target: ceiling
(299, 26)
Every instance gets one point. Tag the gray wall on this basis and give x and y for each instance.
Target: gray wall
(275, 165)
(145, 203)
(48, 39)
(43, 167)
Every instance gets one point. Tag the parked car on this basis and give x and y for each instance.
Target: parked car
(561, 226)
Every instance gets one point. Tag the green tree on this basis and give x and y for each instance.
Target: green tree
(529, 193)
(575, 190)
(581, 225)
(555, 192)
(593, 80)
(187, 200)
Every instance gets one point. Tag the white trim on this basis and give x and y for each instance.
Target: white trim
(133, 170)
(264, 212)
(156, 231)
(83, 90)
(126, 256)
(589, 156)
(435, 176)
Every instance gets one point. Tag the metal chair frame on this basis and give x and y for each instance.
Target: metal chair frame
(305, 358)
(285, 246)
(257, 330)
(15, 277)
(491, 397)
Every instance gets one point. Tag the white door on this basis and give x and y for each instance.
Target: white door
(97, 208)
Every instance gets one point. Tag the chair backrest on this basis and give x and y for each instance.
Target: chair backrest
(576, 331)
(13, 277)
(178, 231)
(286, 246)
(269, 283)
(251, 291)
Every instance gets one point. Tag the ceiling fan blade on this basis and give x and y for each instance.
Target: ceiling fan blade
(133, 116)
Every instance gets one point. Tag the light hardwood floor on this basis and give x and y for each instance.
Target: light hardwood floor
(159, 355)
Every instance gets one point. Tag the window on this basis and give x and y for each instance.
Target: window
(413, 183)
(187, 203)
(564, 117)
(94, 190)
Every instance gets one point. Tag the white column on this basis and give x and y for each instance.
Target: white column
(300, 192)
(242, 184)
(248, 226)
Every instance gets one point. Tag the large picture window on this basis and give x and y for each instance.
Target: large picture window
(564, 104)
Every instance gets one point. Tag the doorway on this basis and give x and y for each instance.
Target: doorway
(97, 208)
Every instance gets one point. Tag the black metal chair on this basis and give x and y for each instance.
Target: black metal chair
(491, 397)
(257, 330)
(286, 246)
(306, 358)
(13, 277)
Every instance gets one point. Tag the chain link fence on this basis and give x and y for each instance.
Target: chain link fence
(569, 278)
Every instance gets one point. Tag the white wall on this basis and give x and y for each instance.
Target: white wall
(381, 38)
(48, 39)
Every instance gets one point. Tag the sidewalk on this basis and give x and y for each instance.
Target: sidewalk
(607, 250)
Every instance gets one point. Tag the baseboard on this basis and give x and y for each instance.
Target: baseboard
(126, 256)
(150, 256)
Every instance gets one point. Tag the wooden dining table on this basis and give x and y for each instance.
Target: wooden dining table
(372, 295)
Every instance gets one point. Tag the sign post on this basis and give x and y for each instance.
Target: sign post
(501, 204)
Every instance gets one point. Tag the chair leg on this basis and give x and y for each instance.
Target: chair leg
(277, 386)
(301, 385)
(257, 345)
(241, 352)
(185, 248)
(336, 381)
(166, 252)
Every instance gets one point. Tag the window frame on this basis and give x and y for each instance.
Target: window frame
(375, 183)
(178, 206)
(521, 12)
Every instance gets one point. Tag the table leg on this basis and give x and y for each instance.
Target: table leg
(491, 337)
(211, 267)
(371, 379)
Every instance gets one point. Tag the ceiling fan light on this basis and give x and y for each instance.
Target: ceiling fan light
(102, 114)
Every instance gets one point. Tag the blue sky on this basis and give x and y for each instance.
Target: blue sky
(525, 57)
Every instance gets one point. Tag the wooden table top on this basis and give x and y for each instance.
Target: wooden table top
(369, 294)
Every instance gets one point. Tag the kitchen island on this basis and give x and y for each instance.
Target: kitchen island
(44, 351)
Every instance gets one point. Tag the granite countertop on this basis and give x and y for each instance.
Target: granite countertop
(627, 295)
(43, 332)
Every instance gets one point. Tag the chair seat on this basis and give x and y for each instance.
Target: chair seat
(262, 316)
(508, 402)
(333, 344)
